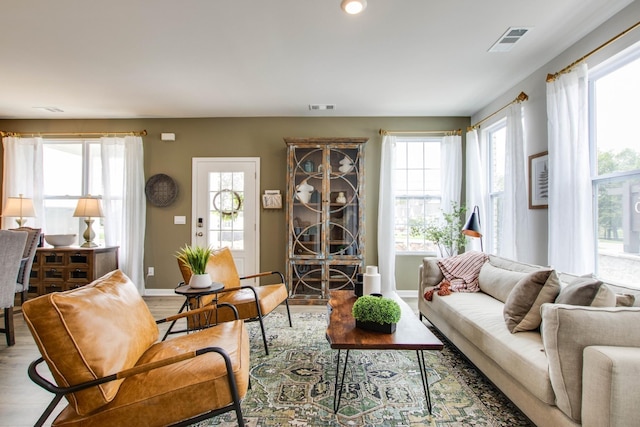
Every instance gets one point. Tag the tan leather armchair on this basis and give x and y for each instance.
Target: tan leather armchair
(251, 302)
(100, 344)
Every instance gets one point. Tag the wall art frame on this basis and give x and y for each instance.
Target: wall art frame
(539, 180)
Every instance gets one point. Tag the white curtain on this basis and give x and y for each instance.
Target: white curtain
(571, 242)
(450, 171)
(22, 174)
(515, 215)
(475, 186)
(124, 203)
(386, 217)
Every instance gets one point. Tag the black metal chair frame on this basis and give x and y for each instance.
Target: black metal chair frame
(259, 317)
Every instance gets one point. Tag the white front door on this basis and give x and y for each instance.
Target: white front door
(225, 208)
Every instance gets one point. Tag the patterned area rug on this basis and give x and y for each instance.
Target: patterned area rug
(294, 385)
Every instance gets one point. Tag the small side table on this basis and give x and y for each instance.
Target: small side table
(198, 293)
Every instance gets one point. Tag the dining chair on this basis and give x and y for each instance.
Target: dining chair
(11, 250)
(33, 239)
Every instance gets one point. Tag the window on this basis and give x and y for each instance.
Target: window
(71, 169)
(495, 137)
(417, 192)
(614, 89)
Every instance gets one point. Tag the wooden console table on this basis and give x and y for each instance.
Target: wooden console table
(61, 269)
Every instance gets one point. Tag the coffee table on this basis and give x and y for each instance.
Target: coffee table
(342, 334)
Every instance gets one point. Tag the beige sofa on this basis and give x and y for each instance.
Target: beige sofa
(581, 367)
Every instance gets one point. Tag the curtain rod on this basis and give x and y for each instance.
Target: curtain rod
(132, 133)
(421, 132)
(568, 68)
(520, 98)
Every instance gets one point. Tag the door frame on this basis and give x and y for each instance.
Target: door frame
(195, 161)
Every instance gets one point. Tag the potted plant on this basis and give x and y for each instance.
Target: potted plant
(196, 258)
(376, 313)
(445, 233)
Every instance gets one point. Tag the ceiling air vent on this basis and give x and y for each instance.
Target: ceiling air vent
(506, 42)
(322, 107)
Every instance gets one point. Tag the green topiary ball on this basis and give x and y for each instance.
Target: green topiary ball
(376, 309)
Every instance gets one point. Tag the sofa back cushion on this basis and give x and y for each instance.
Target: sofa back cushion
(567, 330)
(90, 332)
(499, 276)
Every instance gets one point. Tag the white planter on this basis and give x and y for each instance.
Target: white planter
(200, 281)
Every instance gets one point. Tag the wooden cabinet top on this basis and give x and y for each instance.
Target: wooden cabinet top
(320, 141)
(76, 249)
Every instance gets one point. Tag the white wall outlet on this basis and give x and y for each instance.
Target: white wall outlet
(151, 271)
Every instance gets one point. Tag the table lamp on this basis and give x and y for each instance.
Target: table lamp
(472, 227)
(19, 207)
(88, 207)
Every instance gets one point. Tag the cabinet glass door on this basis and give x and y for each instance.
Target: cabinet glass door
(307, 225)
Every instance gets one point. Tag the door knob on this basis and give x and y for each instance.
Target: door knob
(199, 234)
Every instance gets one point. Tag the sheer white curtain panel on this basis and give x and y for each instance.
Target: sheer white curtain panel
(515, 215)
(22, 174)
(475, 186)
(386, 217)
(124, 203)
(571, 241)
(450, 171)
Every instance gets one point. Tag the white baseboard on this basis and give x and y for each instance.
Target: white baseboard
(169, 293)
(160, 293)
(407, 293)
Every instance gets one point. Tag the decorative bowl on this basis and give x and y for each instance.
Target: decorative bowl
(59, 240)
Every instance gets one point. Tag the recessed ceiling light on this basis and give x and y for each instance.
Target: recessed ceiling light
(353, 7)
(50, 109)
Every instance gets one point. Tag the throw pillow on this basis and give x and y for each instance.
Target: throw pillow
(587, 292)
(522, 308)
(625, 300)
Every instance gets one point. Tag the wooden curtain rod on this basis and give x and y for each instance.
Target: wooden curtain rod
(568, 68)
(520, 98)
(59, 134)
(421, 132)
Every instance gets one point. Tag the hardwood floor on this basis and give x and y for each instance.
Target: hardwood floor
(22, 402)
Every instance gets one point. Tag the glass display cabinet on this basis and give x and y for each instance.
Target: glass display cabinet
(325, 215)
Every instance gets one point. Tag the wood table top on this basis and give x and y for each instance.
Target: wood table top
(410, 334)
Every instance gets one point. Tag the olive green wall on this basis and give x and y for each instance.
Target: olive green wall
(243, 137)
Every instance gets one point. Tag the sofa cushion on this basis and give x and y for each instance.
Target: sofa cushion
(498, 282)
(522, 308)
(567, 330)
(478, 317)
(90, 332)
(587, 291)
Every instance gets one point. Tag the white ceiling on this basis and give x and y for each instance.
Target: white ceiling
(240, 58)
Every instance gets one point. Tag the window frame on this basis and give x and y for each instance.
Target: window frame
(85, 185)
(609, 66)
(491, 236)
(425, 196)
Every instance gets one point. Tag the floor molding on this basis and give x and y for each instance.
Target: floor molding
(402, 293)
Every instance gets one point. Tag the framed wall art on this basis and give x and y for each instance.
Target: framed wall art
(539, 181)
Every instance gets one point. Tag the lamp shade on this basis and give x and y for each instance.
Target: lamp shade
(472, 227)
(88, 207)
(19, 207)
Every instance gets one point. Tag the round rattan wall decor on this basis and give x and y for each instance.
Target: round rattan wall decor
(161, 190)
